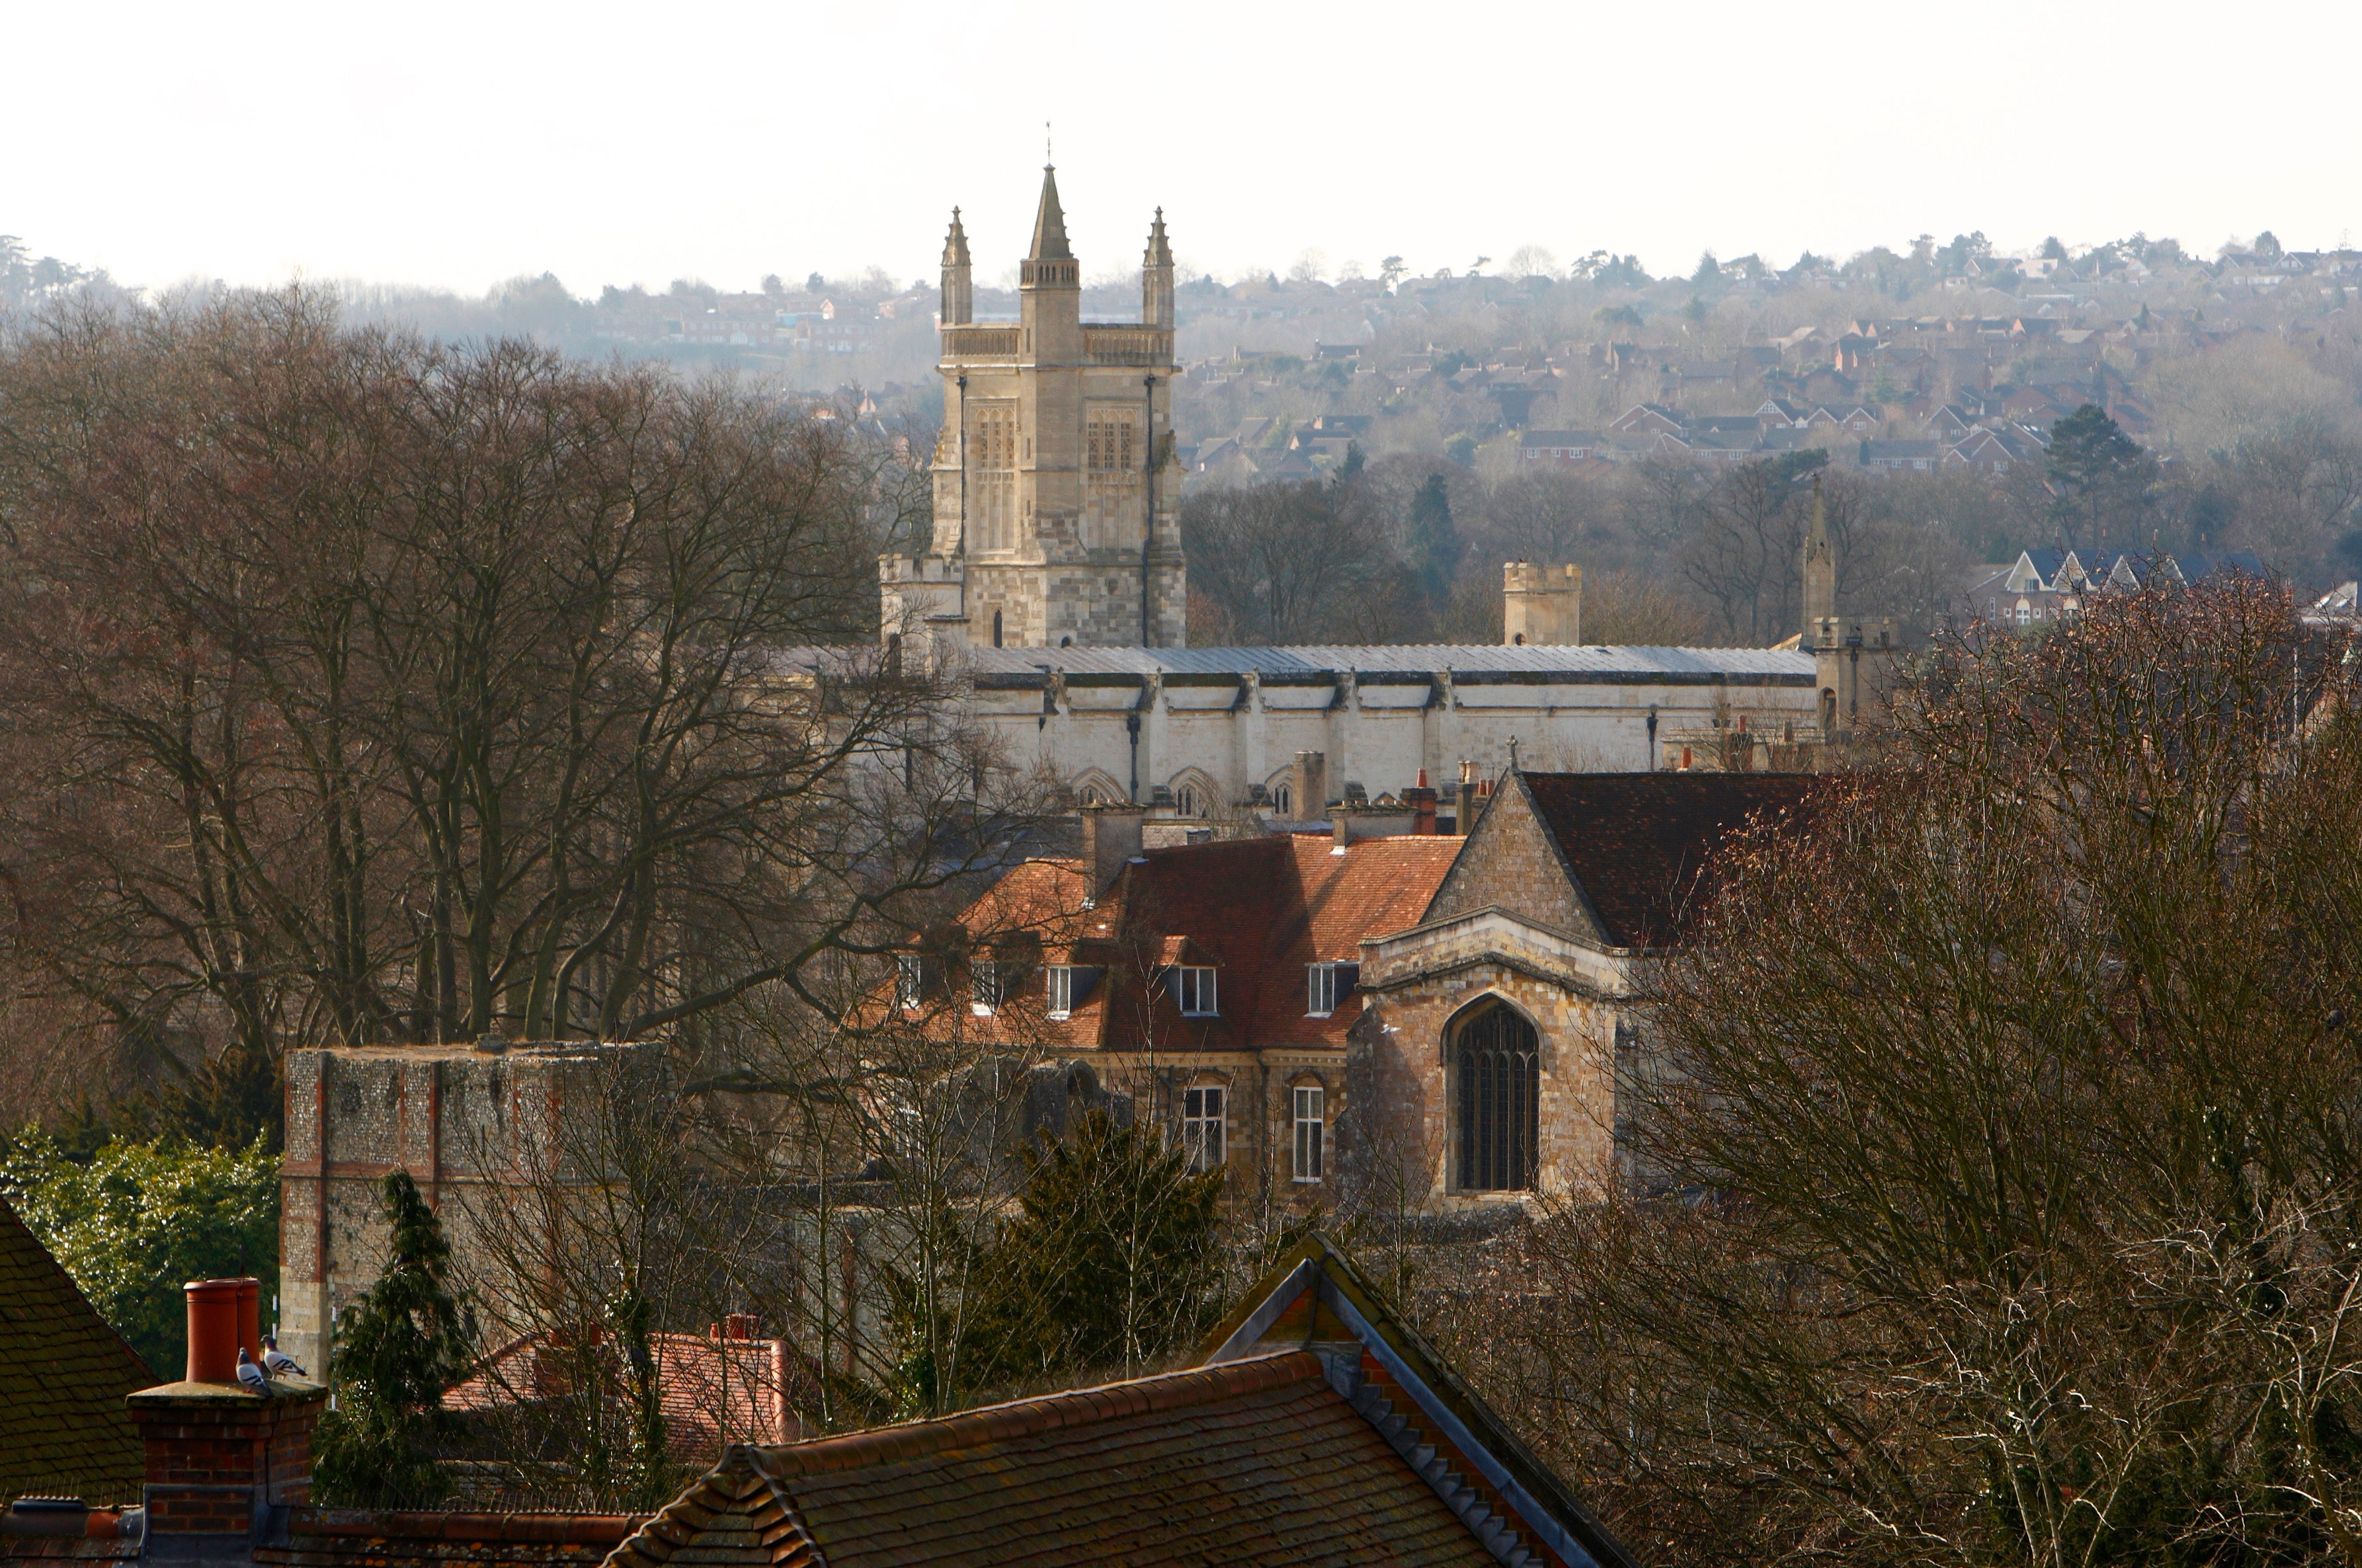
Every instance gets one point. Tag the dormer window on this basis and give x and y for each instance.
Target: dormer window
(910, 980)
(1325, 985)
(1194, 987)
(986, 983)
(1062, 990)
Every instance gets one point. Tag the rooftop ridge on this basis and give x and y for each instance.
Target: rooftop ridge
(1023, 1417)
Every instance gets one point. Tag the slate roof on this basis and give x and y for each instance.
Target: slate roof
(1253, 1460)
(64, 1431)
(1638, 843)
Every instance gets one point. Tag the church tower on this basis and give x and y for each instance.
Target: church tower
(1057, 494)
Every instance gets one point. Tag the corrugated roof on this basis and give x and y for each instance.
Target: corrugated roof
(64, 1431)
(1579, 664)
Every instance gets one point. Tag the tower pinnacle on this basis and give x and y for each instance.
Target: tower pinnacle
(1050, 222)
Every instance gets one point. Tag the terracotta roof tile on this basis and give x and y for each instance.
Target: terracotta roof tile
(64, 1431)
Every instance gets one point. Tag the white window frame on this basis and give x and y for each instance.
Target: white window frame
(910, 980)
(1205, 1123)
(1320, 989)
(1197, 989)
(985, 986)
(1061, 989)
(1310, 1107)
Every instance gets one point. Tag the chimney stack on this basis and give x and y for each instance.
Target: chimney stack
(1111, 838)
(220, 1458)
(1421, 801)
(1465, 803)
(1308, 783)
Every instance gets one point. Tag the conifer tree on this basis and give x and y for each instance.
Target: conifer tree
(397, 1349)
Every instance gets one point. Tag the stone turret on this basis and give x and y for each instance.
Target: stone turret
(1050, 286)
(959, 277)
(1156, 277)
(1540, 606)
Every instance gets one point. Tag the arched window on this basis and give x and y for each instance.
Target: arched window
(1282, 800)
(1497, 1058)
(995, 628)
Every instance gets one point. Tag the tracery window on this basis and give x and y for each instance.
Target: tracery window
(1497, 1061)
(992, 480)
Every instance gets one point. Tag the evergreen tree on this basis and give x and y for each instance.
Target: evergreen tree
(397, 1349)
(1111, 1263)
(1435, 545)
(2100, 479)
(1352, 463)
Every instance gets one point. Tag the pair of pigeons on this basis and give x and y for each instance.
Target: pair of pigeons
(275, 1364)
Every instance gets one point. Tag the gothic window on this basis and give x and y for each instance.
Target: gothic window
(1310, 1126)
(1497, 1061)
(992, 480)
(1282, 799)
(1111, 476)
(1202, 1126)
(995, 628)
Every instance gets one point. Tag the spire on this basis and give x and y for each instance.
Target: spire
(1820, 567)
(1050, 223)
(956, 243)
(1156, 277)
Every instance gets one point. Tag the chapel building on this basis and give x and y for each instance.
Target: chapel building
(1054, 579)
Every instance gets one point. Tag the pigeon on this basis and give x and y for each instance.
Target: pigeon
(249, 1376)
(276, 1362)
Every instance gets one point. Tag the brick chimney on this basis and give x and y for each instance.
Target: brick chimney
(1421, 799)
(1111, 838)
(223, 1461)
(1464, 822)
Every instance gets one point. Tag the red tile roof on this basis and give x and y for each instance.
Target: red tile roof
(1258, 910)
(63, 1373)
(1638, 843)
(1256, 1461)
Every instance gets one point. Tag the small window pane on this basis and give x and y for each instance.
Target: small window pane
(1196, 992)
(1310, 1102)
(1202, 1127)
(909, 979)
(986, 978)
(1062, 991)
(1320, 987)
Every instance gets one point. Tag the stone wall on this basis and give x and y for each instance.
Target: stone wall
(1511, 862)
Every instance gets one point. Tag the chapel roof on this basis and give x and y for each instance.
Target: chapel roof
(1638, 844)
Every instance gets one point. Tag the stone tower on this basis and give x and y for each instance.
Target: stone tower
(1540, 606)
(1057, 494)
(1850, 694)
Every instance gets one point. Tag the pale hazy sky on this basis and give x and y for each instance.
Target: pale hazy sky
(457, 144)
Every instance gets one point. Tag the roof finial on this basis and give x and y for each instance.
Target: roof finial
(1048, 160)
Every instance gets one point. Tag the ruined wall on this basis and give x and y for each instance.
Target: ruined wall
(456, 1118)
